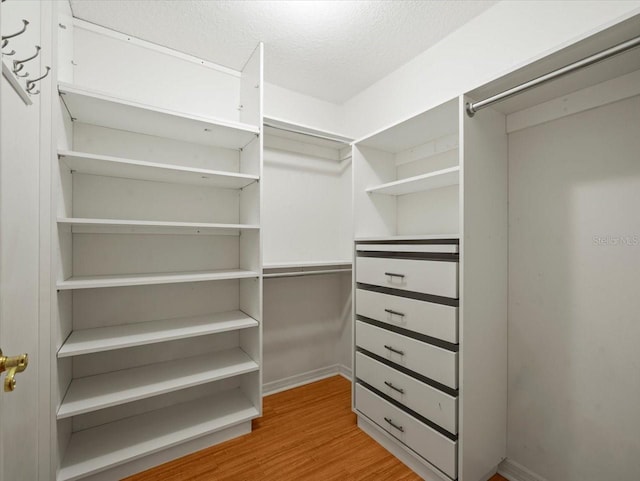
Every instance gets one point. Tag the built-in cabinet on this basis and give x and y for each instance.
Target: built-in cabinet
(158, 214)
(158, 345)
(430, 292)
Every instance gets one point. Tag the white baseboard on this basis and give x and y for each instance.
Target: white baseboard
(345, 372)
(305, 378)
(516, 472)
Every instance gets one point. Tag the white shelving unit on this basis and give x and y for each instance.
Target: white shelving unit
(115, 226)
(443, 180)
(98, 108)
(97, 449)
(99, 339)
(419, 183)
(85, 163)
(159, 281)
(113, 388)
(93, 282)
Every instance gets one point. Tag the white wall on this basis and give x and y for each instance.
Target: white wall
(505, 37)
(574, 309)
(297, 108)
(307, 327)
(306, 214)
(306, 217)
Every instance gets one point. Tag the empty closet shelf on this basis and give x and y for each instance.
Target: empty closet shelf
(97, 108)
(101, 391)
(122, 226)
(419, 183)
(92, 282)
(99, 339)
(96, 449)
(105, 165)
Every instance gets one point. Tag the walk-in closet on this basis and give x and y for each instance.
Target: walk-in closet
(317, 240)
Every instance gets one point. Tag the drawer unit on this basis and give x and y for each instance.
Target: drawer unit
(436, 448)
(438, 278)
(433, 404)
(428, 318)
(436, 363)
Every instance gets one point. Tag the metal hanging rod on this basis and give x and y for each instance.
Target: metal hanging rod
(304, 273)
(472, 108)
(302, 132)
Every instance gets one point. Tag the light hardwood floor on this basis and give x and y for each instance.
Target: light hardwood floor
(306, 433)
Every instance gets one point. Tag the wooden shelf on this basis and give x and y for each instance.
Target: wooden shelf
(92, 282)
(109, 166)
(97, 108)
(97, 449)
(91, 393)
(99, 339)
(419, 183)
(119, 226)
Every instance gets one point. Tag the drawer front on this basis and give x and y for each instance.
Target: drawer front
(436, 363)
(427, 401)
(439, 278)
(428, 318)
(428, 443)
(422, 248)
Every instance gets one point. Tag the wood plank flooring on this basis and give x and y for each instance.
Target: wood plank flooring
(308, 433)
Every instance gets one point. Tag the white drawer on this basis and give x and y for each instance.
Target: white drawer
(428, 318)
(436, 363)
(428, 443)
(442, 248)
(439, 278)
(427, 401)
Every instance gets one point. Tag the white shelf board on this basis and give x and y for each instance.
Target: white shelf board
(394, 238)
(419, 183)
(102, 391)
(109, 166)
(91, 282)
(436, 122)
(106, 446)
(99, 339)
(98, 108)
(305, 133)
(122, 226)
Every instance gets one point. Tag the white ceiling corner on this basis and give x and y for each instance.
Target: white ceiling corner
(330, 50)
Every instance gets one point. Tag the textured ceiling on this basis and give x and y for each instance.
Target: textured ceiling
(327, 49)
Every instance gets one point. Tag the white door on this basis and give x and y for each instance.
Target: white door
(23, 412)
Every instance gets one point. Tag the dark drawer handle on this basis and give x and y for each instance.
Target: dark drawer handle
(401, 391)
(399, 428)
(395, 313)
(392, 274)
(397, 351)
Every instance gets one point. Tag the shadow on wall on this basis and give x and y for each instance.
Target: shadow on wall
(307, 324)
(574, 308)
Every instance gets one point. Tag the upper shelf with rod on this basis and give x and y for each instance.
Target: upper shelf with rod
(97, 108)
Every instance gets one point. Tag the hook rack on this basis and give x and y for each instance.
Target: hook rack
(18, 65)
(5, 38)
(31, 84)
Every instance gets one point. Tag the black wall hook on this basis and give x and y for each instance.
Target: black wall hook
(18, 65)
(31, 84)
(5, 38)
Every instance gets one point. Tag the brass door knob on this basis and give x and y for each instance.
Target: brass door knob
(14, 365)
